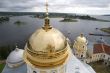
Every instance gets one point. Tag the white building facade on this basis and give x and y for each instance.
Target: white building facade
(98, 51)
(80, 47)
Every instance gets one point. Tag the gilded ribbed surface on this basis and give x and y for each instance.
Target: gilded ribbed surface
(46, 49)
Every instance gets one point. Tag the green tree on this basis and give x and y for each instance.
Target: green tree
(5, 51)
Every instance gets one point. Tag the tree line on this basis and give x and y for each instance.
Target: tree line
(5, 51)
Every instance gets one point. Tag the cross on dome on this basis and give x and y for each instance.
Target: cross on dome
(47, 26)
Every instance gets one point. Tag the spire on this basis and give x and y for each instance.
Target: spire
(82, 35)
(47, 26)
(16, 49)
(46, 8)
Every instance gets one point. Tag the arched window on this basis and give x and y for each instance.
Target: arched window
(104, 56)
(81, 56)
(34, 72)
(83, 46)
(105, 63)
(108, 58)
(90, 57)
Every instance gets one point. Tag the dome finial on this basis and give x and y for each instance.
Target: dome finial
(16, 47)
(47, 26)
(46, 8)
(82, 35)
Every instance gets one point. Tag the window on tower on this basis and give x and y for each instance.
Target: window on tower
(81, 56)
(104, 56)
(108, 58)
(34, 72)
(83, 46)
(53, 71)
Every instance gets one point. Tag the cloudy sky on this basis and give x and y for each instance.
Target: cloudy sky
(93, 7)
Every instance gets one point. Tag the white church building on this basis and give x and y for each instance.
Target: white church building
(91, 52)
(47, 51)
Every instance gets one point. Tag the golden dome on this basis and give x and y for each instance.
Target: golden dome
(46, 48)
(41, 39)
(81, 39)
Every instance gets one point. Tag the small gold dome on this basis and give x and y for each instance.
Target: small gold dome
(81, 39)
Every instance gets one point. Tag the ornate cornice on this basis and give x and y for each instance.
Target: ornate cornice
(46, 65)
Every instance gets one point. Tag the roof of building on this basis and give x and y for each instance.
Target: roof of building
(81, 38)
(15, 56)
(107, 49)
(73, 66)
(20, 69)
(101, 48)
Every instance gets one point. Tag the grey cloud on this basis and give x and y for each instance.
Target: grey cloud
(17, 5)
(94, 3)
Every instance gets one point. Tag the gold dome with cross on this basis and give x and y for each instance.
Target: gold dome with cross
(47, 47)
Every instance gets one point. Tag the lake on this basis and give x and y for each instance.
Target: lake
(11, 33)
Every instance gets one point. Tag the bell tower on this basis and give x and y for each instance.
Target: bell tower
(80, 47)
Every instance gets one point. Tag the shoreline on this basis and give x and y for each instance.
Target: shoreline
(107, 30)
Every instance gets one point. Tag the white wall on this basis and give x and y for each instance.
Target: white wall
(60, 69)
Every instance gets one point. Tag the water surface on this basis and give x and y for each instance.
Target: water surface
(11, 33)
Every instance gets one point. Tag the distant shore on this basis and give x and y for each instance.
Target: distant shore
(107, 30)
(68, 20)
